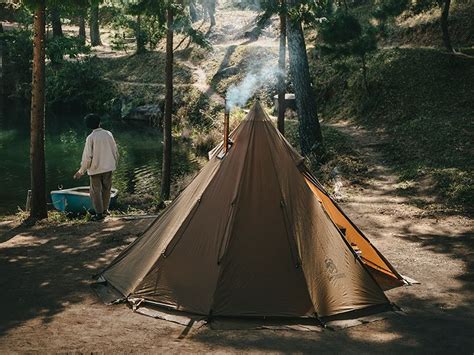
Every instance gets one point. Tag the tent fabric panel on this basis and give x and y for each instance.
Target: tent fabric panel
(259, 275)
(336, 279)
(186, 277)
(369, 253)
(133, 265)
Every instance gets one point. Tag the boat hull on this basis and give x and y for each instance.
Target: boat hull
(77, 200)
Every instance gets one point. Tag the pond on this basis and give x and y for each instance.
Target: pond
(140, 150)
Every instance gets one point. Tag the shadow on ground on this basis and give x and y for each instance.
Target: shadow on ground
(47, 268)
(46, 272)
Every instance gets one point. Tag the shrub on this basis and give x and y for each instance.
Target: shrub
(79, 85)
(59, 47)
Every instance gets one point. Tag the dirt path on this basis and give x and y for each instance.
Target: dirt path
(437, 250)
(200, 83)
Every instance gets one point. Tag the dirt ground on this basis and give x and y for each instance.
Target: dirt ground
(47, 305)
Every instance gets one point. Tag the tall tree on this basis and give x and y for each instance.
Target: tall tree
(55, 14)
(210, 9)
(311, 139)
(445, 5)
(139, 35)
(37, 156)
(282, 69)
(193, 13)
(82, 28)
(94, 24)
(166, 165)
(172, 12)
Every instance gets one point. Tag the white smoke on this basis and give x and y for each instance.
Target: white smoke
(238, 95)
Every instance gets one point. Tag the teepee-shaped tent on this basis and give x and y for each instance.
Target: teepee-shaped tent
(254, 234)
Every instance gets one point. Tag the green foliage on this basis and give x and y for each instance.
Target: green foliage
(152, 26)
(340, 28)
(18, 53)
(419, 6)
(57, 48)
(124, 23)
(343, 35)
(183, 25)
(78, 85)
(390, 8)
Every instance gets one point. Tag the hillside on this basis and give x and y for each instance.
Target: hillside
(419, 106)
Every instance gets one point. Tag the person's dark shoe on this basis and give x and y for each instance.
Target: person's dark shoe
(97, 217)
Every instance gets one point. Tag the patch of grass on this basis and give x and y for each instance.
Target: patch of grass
(144, 68)
(424, 29)
(54, 218)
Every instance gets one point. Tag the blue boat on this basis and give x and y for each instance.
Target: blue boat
(77, 200)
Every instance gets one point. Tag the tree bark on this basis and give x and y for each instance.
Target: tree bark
(282, 74)
(37, 158)
(211, 9)
(94, 25)
(311, 139)
(56, 22)
(364, 73)
(193, 11)
(166, 167)
(444, 25)
(2, 68)
(82, 29)
(139, 35)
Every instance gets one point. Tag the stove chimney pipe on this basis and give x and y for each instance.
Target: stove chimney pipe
(226, 127)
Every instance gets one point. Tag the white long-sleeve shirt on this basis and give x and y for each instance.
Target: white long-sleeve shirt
(100, 153)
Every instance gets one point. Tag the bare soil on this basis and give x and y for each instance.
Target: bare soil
(47, 305)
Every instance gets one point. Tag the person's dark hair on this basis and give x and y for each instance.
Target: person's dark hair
(92, 120)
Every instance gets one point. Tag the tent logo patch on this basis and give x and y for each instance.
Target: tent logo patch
(332, 270)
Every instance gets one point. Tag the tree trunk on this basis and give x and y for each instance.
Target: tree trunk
(193, 11)
(139, 35)
(2, 64)
(56, 22)
(364, 73)
(212, 11)
(82, 29)
(444, 25)
(166, 167)
(37, 160)
(282, 74)
(94, 25)
(311, 139)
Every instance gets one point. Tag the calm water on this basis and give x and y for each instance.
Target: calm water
(140, 150)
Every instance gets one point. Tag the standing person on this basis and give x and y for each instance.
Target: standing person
(99, 159)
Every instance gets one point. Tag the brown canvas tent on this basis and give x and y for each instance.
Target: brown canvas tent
(254, 234)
